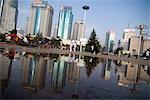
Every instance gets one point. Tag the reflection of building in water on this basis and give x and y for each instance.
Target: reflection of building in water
(58, 75)
(5, 71)
(106, 68)
(49, 66)
(34, 72)
(72, 72)
(132, 74)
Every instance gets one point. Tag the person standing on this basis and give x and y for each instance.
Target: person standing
(75, 46)
(71, 45)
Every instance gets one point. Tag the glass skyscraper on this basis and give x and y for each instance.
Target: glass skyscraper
(40, 19)
(1, 7)
(65, 22)
(8, 14)
(109, 41)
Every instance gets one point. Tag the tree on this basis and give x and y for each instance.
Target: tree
(118, 49)
(2, 38)
(56, 42)
(14, 31)
(93, 44)
(13, 35)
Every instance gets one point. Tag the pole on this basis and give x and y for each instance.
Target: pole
(140, 40)
(139, 49)
(83, 29)
(76, 87)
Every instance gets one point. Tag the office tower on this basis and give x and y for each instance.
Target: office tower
(1, 6)
(58, 76)
(54, 32)
(77, 30)
(27, 23)
(9, 13)
(40, 19)
(109, 41)
(127, 34)
(65, 22)
(134, 45)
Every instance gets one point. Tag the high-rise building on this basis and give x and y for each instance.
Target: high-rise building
(134, 45)
(77, 30)
(65, 22)
(1, 6)
(8, 14)
(40, 19)
(27, 23)
(54, 31)
(109, 41)
(124, 42)
(128, 33)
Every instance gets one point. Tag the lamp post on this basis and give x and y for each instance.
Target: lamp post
(141, 27)
(85, 8)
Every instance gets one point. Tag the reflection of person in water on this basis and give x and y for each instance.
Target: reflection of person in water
(10, 54)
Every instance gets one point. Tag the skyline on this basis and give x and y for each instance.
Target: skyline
(105, 18)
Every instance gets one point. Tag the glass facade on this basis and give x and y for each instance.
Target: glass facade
(1, 6)
(37, 21)
(77, 30)
(109, 41)
(8, 14)
(40, 19)
(65, 22)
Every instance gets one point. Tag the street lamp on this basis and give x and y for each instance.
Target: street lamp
(141, 27)
(85, 8)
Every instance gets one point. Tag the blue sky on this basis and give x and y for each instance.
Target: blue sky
(104, 15)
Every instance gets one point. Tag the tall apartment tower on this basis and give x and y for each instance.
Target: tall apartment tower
(77, 30)
(109, 41)
(1, 7)
(8, 14)
(127, 34)
(65, 22)
(40, 19)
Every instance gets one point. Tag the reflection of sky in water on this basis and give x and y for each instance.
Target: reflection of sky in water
(57, 78)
